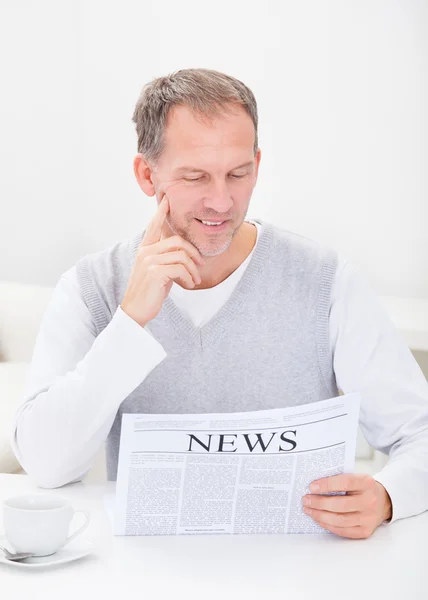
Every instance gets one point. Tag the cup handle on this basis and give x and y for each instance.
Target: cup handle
(82, 528)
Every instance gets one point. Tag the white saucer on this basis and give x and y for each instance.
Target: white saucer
(72, 551)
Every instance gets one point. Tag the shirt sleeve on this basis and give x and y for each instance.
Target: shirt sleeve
(75, 385)
(370, 356)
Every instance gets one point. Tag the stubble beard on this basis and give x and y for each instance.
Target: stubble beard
(215, 248)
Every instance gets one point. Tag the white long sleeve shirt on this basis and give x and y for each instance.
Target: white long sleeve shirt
(73, 390)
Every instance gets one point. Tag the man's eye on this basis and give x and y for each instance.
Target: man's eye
(201, 177)
(193, 178)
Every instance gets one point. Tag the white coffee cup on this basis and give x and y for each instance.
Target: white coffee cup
(39, 523)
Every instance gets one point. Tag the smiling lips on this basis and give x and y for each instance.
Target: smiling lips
(207, 222)
(210, 225)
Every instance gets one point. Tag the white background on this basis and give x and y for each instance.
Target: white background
(342, 94)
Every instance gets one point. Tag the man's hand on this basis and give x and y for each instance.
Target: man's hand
(158, 263)
(356, 515)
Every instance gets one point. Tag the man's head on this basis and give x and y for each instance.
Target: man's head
(197, 143)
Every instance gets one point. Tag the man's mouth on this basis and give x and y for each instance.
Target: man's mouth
(213, 225)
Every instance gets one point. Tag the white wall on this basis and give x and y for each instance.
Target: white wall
(342, 92)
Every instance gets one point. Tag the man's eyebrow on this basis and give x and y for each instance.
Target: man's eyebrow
(195, 170)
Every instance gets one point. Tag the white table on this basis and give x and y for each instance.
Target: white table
(391, 564)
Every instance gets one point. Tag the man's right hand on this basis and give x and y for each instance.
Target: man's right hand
(158, 263)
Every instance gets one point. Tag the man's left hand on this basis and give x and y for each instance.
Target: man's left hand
(366, 505)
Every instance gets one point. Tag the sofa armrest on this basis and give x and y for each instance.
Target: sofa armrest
(12, 382)
(21, 310)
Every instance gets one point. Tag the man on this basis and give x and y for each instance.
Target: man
(207, 311)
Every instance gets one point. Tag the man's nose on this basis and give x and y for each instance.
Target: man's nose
(218, 197)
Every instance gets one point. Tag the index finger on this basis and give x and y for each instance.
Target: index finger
(154, 228)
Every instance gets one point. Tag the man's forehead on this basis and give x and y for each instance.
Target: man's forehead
(195, 146)
(193, 168)
(188, 131)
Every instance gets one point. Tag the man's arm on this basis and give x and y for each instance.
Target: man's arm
(75, 385)
(371, 357)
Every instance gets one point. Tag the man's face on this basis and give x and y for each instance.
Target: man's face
(208, 171)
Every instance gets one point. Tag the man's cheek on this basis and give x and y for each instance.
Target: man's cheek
(180, 198)
(167, 187)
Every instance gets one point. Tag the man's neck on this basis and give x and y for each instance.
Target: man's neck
(219, 268)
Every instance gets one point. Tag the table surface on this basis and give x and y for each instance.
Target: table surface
(390, 564)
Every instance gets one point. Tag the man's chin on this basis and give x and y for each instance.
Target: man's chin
(210, 246)
(215, 247)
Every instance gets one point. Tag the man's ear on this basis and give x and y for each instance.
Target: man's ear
(144, 175)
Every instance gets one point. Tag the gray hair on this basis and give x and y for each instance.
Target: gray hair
(208, 93)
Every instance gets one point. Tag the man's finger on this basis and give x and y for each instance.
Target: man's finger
(355, 533)
(154, 228)
(335, 519)
(345, 482)
(338, 504)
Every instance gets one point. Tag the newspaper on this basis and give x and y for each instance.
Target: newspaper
(230, 473)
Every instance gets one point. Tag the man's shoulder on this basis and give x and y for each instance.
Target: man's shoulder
(297, 242)
(121, 250)
(112, 262)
